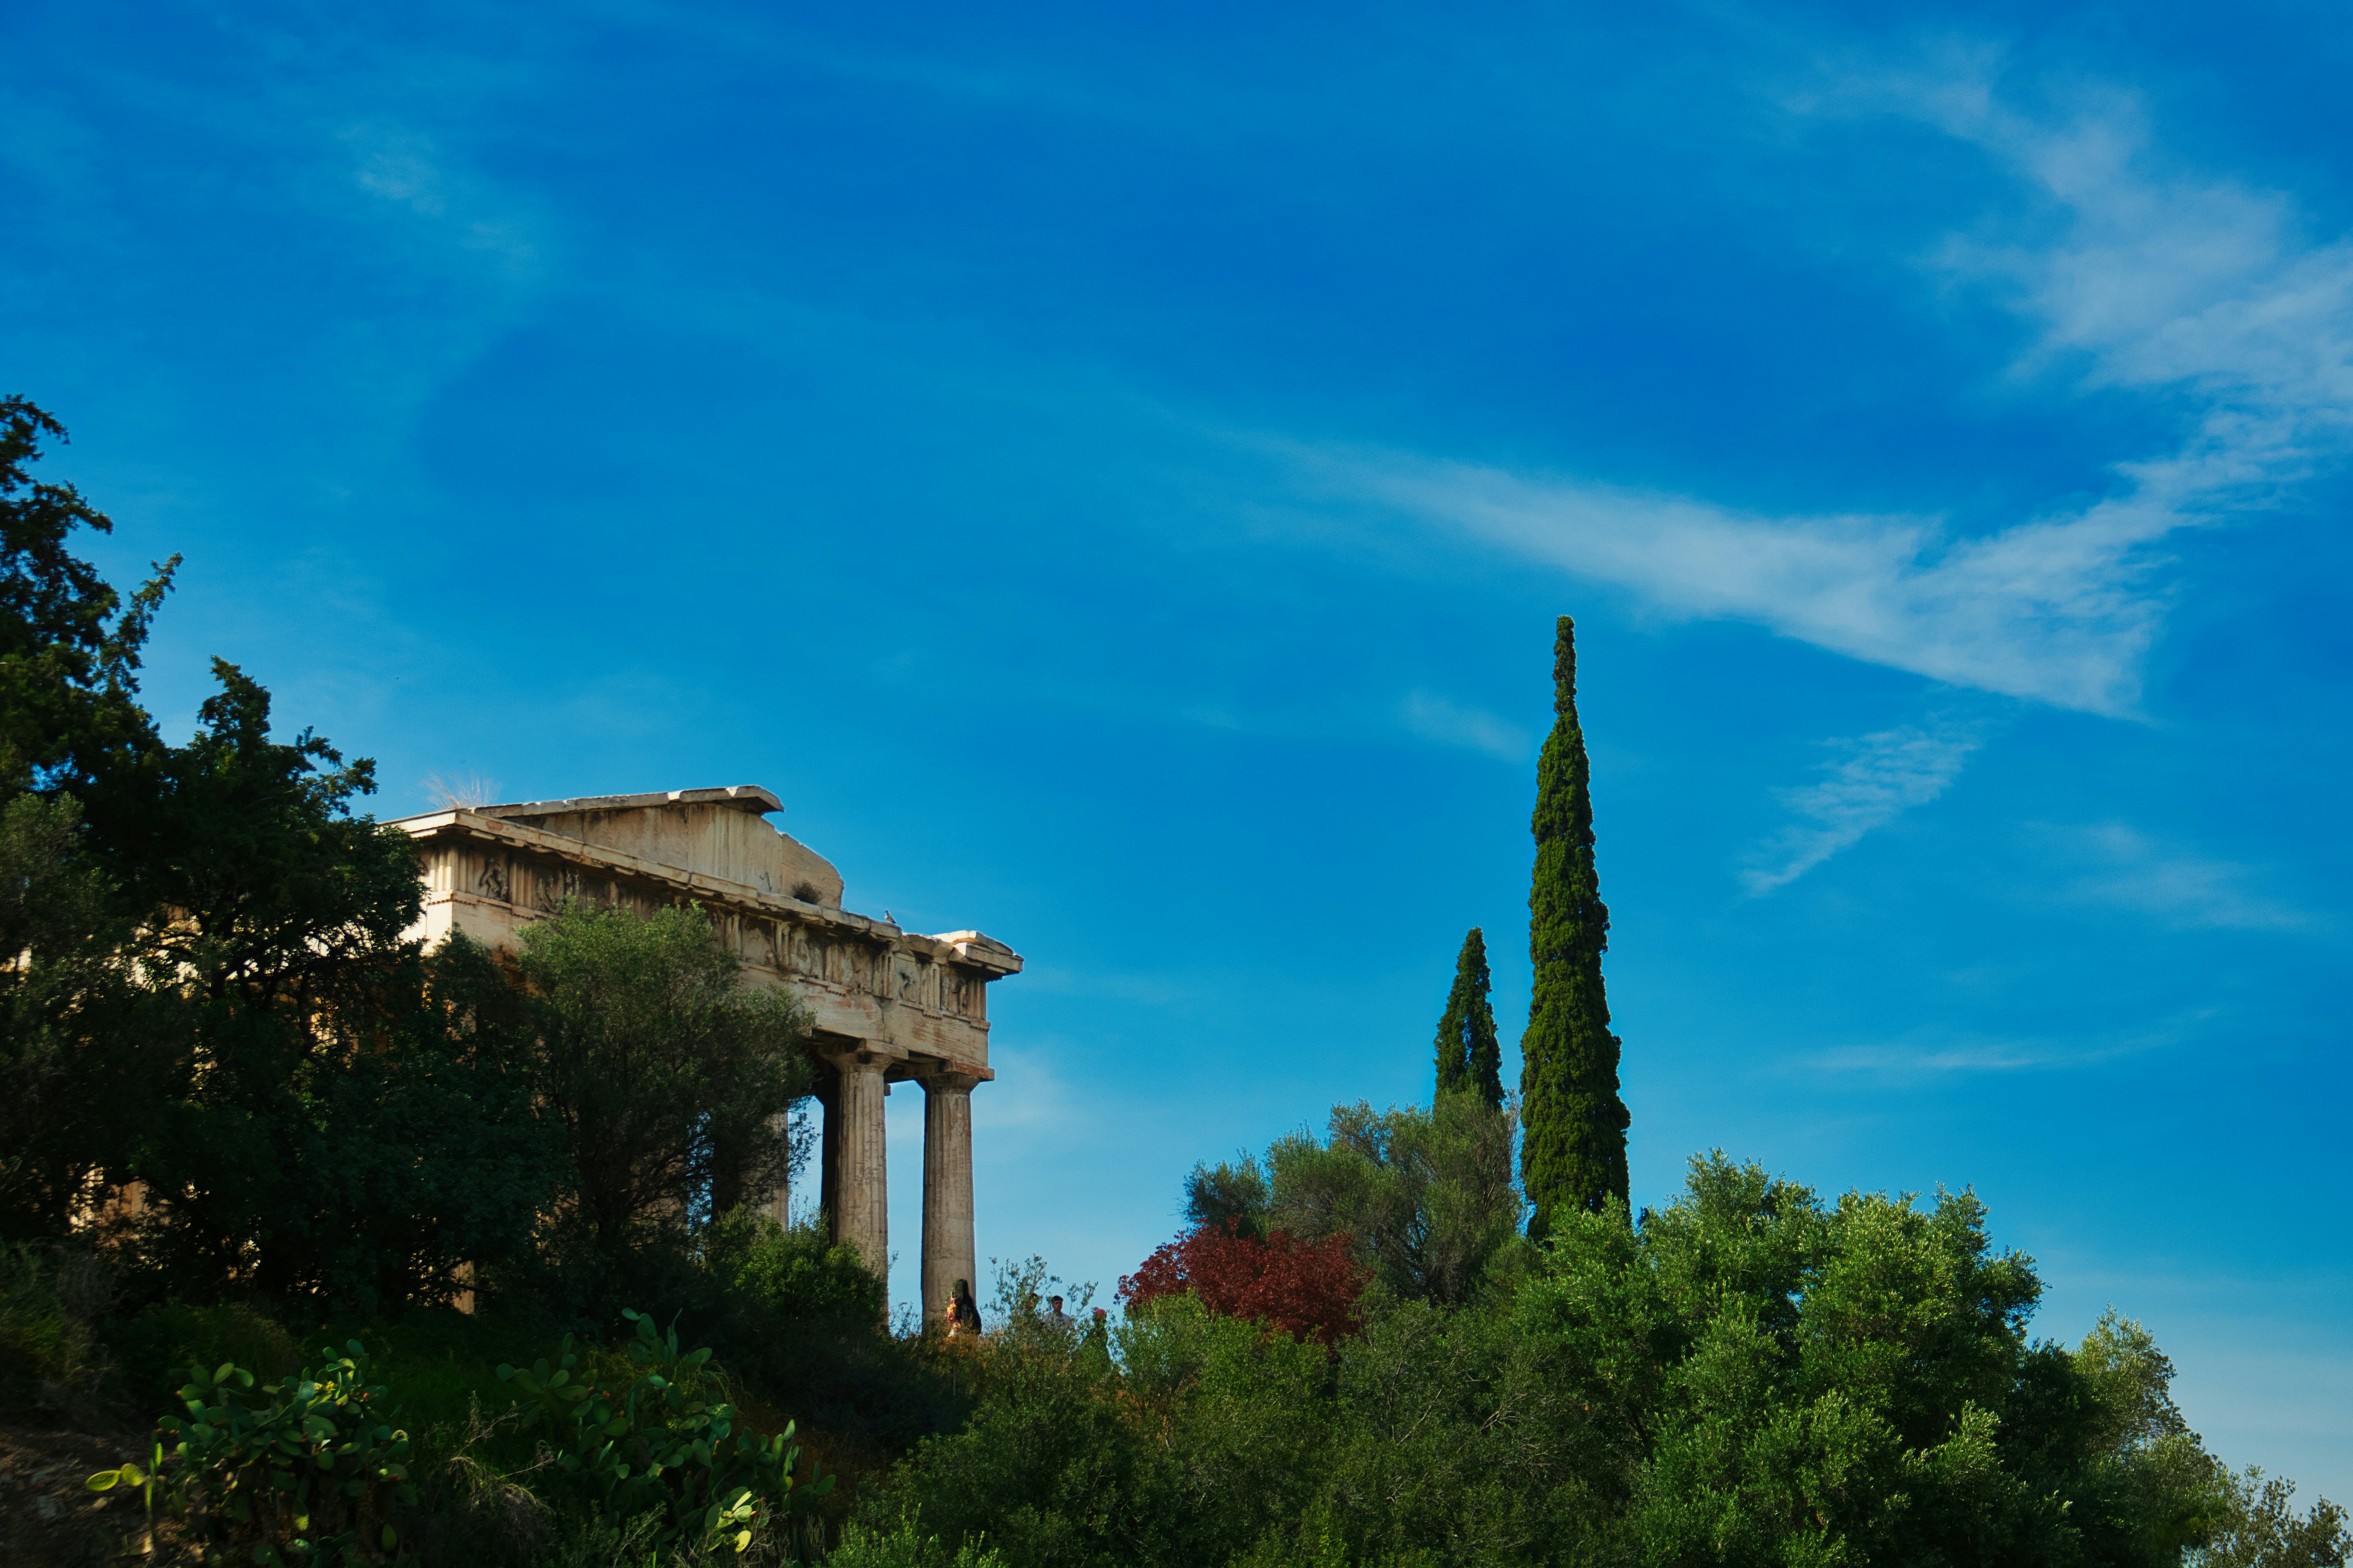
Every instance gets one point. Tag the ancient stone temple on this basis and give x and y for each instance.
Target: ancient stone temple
(889, 1006)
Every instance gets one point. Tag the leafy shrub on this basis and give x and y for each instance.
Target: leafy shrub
(1310, 1290)
(53, 1298)
(801, 1275)
(659, 1448)
(1426, 1193)
(305, 1470)
(798, 1319)
(1177, 1437)
(158, 1343)
(907, 1548)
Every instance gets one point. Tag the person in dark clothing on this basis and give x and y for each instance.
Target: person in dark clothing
(963, 1314)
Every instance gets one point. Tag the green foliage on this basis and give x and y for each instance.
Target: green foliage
(323, 1116)
(800, 1317)
(52, 1366)
(1750, 1376)
(668, 1078)
(68, 645)
(1231, 1196)
(658, 1448)
(864, 1548)
(156, 1345)
(797, 1276)
(353, 1159)
(2256, 1526)
(1470, 1057)
(279, 897)
(212, 998)
(1427, 1195)
(1180, 1437)
(308, 1469)
(1574, 1152)
(86, 1049)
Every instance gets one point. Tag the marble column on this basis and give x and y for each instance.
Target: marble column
(947, 1190)
(779, 1204)
(828, 1146)
(861, 1195)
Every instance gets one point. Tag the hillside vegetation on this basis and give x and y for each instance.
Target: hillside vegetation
(258, 1150)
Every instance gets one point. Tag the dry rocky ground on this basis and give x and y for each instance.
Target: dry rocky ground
(49, 1518)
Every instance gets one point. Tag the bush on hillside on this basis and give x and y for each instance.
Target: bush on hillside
(1749, 1375)
(1425, 1195)
(310, 1467)
(1312, 1290)
(660, 1444)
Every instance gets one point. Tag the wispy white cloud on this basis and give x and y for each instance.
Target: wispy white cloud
(2127, 870)
(1928, 1054)
(1867, 782)
(410, 172)
(2050, 611)
(1434, 718)
(1907, 1059)
(1940, 1056)
(2158, 276)
(2137, 276)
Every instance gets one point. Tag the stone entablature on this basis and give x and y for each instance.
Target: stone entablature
(888, 1005)
(922, 1000)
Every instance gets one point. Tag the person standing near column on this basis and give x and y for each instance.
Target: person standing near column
(948, 1252)
(962, 1312)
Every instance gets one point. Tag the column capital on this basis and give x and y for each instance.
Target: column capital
(948, 1081)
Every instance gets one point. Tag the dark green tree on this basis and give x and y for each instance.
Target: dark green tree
(1469, 1055)
(1426, 1196)
(669, 1077)
(1228, 1197)
(1573, 1151)
(279, 897)
(352, 1120)
(87, 1051)
(68, 645)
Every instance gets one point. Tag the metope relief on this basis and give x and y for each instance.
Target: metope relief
(554, 887)
(850, 965)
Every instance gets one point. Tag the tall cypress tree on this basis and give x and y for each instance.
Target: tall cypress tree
(1573, 1147)
(1469, 1055)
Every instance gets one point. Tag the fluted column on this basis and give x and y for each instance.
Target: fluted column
(777, 1203)
(862, 1193)
(948, 1254)
(829, 1144)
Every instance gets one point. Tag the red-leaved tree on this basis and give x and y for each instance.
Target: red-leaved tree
(1309, 1289)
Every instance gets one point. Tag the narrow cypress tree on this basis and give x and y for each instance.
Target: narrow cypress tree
(1469, 1055)
(1573, 1147)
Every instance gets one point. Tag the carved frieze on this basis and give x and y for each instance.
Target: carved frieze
(849, 961)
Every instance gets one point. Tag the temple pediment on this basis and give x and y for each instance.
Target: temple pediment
(916, 1003)
(720, 832)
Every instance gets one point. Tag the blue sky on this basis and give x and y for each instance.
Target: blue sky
(1113, 471)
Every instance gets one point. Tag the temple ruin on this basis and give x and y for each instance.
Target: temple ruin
(888, 1005)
